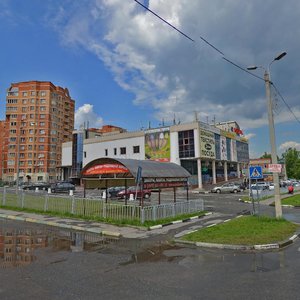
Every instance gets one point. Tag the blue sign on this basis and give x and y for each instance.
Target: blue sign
(255, 172)
(139, 175)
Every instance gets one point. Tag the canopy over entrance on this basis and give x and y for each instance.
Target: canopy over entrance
(149, 174)
(122, 168)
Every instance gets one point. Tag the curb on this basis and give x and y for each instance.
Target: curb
(64, 226)
(262, 247)
(178, 221)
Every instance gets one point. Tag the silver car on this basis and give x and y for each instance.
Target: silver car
(226, 188)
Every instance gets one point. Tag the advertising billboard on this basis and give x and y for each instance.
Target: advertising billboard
(233, 150)
(207, 144)
(157, 144)
(223, 148)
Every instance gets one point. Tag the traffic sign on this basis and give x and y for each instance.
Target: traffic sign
(255, 172)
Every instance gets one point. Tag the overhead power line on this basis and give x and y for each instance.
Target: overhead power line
(220, 52)
(287, 105)
(203, 39)
(165, 21)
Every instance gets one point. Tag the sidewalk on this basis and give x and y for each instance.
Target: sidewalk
(76, 224)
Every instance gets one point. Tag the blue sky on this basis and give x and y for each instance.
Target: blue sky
(125, 67)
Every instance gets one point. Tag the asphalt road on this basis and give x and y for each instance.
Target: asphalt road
(77, 266)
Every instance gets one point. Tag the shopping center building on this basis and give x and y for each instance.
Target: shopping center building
(211, 153)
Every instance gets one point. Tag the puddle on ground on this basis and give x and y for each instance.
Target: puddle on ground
(19, 244)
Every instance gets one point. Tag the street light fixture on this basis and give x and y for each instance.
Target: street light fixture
(278, 208)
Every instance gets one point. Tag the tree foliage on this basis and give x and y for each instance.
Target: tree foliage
(292, 163)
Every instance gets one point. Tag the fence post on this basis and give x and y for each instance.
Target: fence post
(73, 205)
(154, 212)
(173, 210)
(4, 196)
(46, 202)
(22, 199)
(142, 215)
(104, 209)
(189, 207)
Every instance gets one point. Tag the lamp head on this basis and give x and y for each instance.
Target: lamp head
(252, 68)
(280, 56)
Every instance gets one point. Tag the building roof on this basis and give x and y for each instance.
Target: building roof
(150, 168)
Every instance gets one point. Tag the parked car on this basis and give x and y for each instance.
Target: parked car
(264, 185)
(113, 191)
(34, 186)
(62, 187)
(226, 188)
(132, 190)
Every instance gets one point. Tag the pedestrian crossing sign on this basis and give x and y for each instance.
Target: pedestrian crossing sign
(255, 172)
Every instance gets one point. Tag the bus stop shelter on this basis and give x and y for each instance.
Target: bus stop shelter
(147, 174)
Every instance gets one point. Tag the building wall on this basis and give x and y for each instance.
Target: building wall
(189, 156)
(96, 150)
(39, 118)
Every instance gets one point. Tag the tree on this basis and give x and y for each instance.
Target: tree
(266, 155)
(292, 163)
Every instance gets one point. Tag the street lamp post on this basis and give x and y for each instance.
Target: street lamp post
(278, 208)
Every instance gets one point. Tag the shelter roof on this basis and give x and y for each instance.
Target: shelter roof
(150, 168)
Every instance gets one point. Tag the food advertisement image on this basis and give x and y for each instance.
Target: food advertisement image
(157, 144)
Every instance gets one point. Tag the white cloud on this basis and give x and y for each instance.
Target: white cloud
(165, 70)
(250, 135)
(291, 144)
(86, 115)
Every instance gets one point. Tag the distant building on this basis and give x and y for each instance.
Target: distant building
(39, 118)
(209, 153)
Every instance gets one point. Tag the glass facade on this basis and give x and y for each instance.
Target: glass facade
(186, 144)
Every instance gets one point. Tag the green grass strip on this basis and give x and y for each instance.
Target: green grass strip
(293, 200)
(247, 230)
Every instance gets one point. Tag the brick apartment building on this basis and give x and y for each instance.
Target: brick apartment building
(39, 118)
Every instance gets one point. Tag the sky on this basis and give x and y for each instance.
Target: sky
(123, 66)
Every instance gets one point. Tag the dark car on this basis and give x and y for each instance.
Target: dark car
(36, 185)
(113, 191)
(62, 187)
(132, 190)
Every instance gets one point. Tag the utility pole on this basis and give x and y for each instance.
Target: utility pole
(278, 208)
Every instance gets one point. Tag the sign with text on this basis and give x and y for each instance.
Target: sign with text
(207, 144)
(106, 169)
(275, 168)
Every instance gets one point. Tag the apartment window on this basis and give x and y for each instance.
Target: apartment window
(42, 116)
(29, 155)
(31, 131)
(24, 109)
(23, 140)
(41, 147)
(29, 162)
(123, 150)
(24, 101)
(30, 139)
(31, 116)
(32, 93)
(41, 139)
(42, 123)
(115, 151)
(136, 149)
(42, 131)
(29, 147)
(25, 94)
(43, 94)
(13, 131)
(14, 116)
(13, 139)
(43, 101)
(84, 154)
(31, 108)
(43, 108)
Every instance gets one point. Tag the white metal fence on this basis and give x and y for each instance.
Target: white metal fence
(95, 208)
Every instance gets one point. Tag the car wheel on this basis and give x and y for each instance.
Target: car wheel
(235, 191)
(146, 196)
(218, 191)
